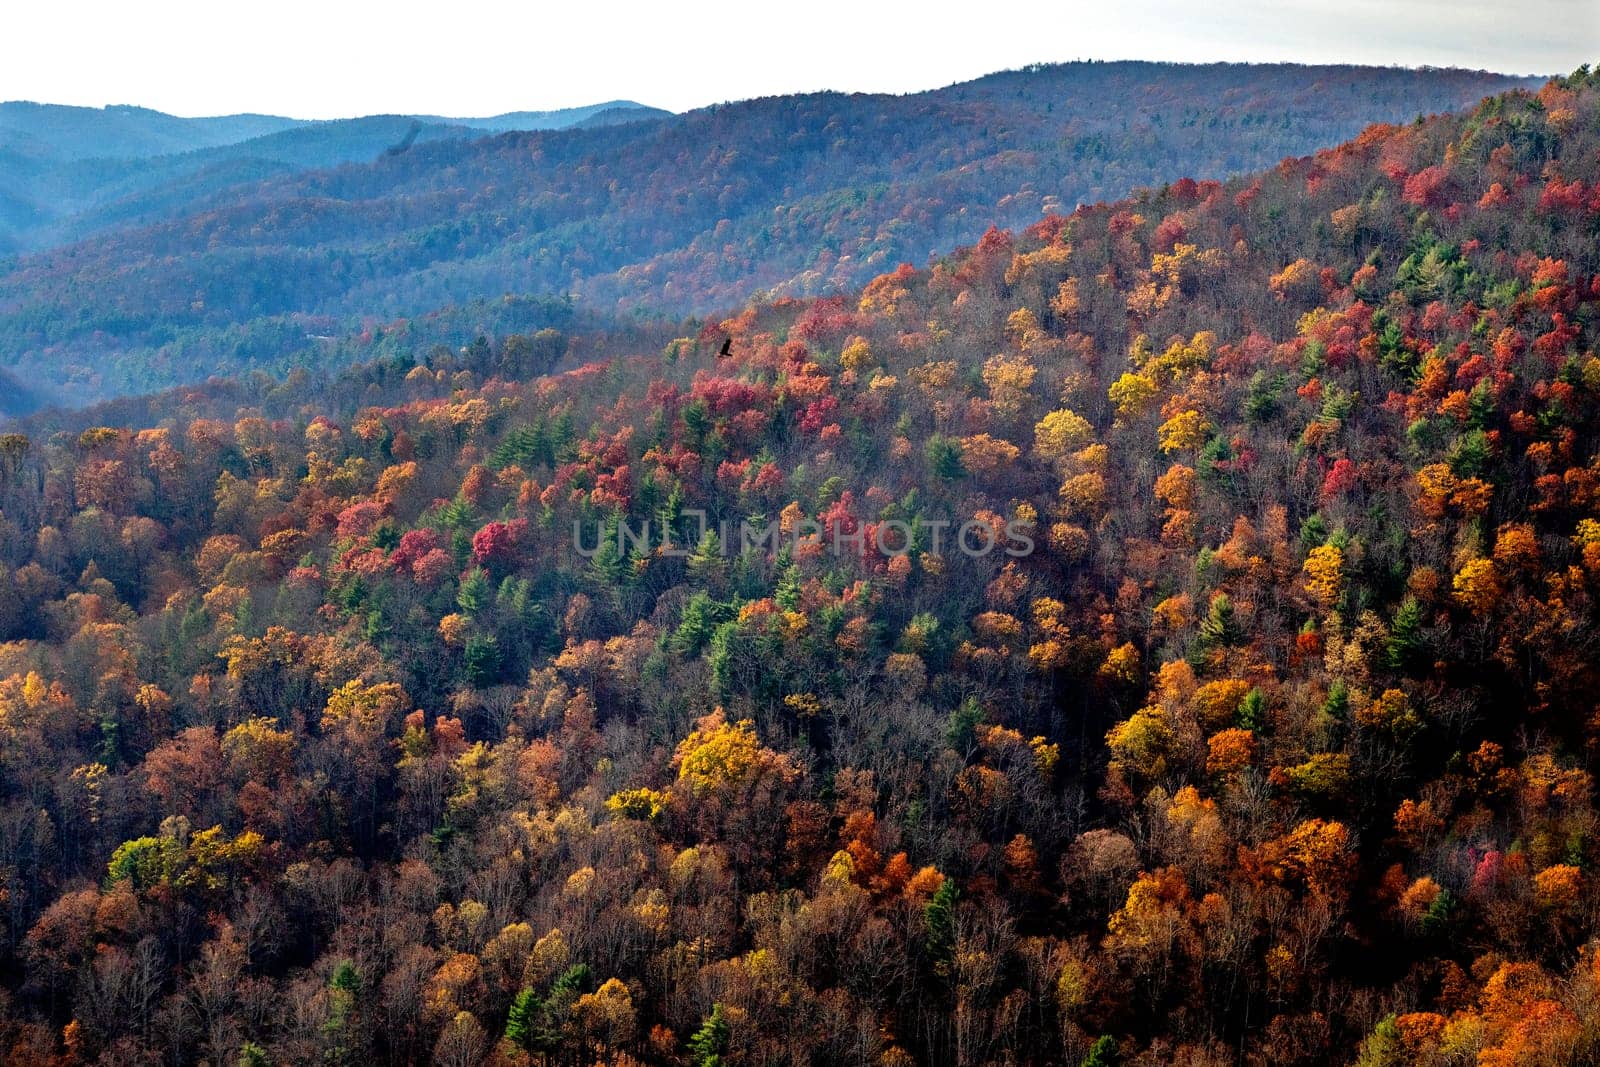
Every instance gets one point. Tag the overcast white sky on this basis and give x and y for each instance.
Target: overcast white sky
(327, 58)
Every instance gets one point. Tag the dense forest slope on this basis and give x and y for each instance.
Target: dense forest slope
(800, 195)
(69, 172)
(322, 741)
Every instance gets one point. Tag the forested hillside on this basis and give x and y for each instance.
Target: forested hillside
(799, 195)
(338, 725)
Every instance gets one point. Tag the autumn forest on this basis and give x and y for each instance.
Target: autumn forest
(341, 721)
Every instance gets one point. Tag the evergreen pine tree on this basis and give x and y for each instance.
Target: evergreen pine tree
(706, 565)
(1405, 636)
(787, 593)
(522, 1021)
(961, 729)
(1220, 628)
(939, 918)
(710, 1041)
(1103, 1053)
(1252, 714)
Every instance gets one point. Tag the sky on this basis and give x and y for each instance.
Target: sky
(334, 58)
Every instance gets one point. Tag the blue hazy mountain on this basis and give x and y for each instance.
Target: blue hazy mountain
(67, 172)
(60, 133)
(626, 110)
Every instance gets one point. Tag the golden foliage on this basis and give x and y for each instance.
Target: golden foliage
(1183, 432)
(1216, 703)
(1060, 432)
(1132, 393)
(719, 755)
(365, 707)
(1476, 586)
(1324, 571)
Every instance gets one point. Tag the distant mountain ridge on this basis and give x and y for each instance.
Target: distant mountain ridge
(66, 132)
(549, 120)
(119, 131)
(64, 169)
(794, 195)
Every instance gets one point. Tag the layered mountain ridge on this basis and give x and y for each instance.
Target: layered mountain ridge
(793, 195)
(69, 172)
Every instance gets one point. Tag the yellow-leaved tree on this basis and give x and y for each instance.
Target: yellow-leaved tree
(720, 756)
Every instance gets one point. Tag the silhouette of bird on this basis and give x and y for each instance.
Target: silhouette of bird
(727, 349)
